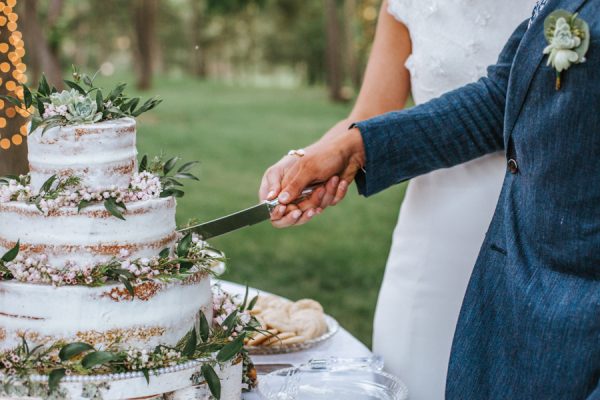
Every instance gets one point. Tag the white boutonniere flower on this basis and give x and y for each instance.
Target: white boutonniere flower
(568, 41)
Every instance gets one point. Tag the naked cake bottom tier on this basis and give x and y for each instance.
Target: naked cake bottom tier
(160, 313)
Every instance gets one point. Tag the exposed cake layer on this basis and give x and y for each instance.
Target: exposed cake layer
(161, 313)
(90, 236)
(102, 154)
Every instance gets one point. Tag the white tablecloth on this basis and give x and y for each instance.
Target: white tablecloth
(343, 344)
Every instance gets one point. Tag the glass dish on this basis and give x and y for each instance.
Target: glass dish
(348, 381)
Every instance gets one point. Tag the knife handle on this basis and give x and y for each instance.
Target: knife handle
(303, 196)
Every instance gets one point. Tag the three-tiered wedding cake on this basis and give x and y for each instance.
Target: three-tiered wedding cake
(100, 297)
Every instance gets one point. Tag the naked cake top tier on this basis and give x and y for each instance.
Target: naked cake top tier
(103, 155)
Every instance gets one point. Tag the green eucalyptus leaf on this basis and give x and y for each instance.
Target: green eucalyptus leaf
(164, 253)
(27, 97)
(212, 380)
(114, 208)
(128, 286)
(83, 204)
(146, 375)
(144, 163)
(230, 320)
(187, 166)
(35, 123)
(169, 165)
(73, 349)
(133, 103)
(98, 358)
(24, 345)
(75, 86)
(116, 92)
(245, 302)
(99, 100)
(190, 344)
(230, 350)
(204, 327)
(172, 192)
(252, 303)
(40, 106)
(44, 88)
(171, 181)
(11, 254)
(54, 378)
(127, 274)
(183, 247)
(46, 186)
(186, 175)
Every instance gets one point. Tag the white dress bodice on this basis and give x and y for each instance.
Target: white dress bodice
(445, 214)
(453, 41)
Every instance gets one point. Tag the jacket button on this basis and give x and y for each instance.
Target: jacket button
(512, 166)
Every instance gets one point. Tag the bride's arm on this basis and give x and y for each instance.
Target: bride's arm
(385, 87)
(386, 83)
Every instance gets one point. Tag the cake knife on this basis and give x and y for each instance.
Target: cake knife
(240, 219)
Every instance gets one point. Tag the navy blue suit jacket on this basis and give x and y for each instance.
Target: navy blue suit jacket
(530, 323)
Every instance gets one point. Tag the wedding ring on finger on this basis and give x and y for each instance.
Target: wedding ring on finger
(297, 153)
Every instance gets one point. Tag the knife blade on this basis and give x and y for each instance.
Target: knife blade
(240, 219)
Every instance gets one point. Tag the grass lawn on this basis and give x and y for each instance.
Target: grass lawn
(236, 133)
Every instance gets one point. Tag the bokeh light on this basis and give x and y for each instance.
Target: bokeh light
(12, 75)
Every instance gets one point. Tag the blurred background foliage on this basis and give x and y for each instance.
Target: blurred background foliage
(282, 42)
(243, 82)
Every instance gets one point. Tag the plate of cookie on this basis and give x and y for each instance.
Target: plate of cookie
(288, 326)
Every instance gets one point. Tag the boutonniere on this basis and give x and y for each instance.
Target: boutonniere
(568, 40)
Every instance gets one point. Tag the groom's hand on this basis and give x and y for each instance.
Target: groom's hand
(338, 155)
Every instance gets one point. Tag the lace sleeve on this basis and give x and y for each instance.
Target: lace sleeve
(398, 10)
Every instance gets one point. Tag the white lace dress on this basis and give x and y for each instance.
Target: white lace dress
(446, 213)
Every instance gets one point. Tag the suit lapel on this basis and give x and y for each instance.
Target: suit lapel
(527, 61)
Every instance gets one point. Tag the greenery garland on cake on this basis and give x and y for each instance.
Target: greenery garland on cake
(155, 178)
(221, 342)
(188, 257)
(84, 103)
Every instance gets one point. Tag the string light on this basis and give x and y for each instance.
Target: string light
(12, 75)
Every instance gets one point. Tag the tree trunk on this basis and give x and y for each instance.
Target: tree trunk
(13, 146)
(334, 34)
(144, 14)
(199, 59)
(354, 73)
(43, 57)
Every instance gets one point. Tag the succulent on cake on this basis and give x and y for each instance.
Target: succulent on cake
(82, 103)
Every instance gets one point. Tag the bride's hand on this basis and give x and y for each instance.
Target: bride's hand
(334, 155)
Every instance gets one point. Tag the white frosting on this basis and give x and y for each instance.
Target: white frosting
(90, 236)
(102, 154)
(48, 313)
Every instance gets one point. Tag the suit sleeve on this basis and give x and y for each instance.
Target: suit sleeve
(457, 127)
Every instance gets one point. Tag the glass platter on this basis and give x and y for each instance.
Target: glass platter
(307, 383)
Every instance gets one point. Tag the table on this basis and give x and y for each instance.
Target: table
(342, 344)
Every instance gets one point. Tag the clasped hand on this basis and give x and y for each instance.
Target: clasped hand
(331, 164)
